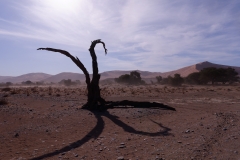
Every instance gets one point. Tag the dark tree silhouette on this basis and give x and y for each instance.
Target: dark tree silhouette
(94, 97)
(95, 101)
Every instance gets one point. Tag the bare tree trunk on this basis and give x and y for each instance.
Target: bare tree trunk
(94, 97)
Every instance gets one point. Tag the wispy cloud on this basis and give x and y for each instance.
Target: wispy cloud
(155, 35)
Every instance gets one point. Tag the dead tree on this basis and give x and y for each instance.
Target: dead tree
(94, 101)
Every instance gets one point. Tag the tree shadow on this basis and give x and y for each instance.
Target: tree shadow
(136, 104)
(129, 129)
(94, 133)
(98, 129)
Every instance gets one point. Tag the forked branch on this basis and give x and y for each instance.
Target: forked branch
(96, 42)
(75, 60)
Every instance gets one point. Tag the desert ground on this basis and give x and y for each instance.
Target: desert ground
(48, 123)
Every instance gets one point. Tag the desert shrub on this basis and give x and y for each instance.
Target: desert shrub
(69, 82)
(50, 91)
(159, 79)
(177, 80)
(40, 83)
(13, 92)
(213, 75)
(6, 89)
(27, 83)
(123, 78)
(3, 102)
(9, 83)
(34, 89)
(165, 80)
(193, 78)
(134, 78)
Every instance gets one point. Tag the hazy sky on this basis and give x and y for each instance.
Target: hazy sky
(153, 35)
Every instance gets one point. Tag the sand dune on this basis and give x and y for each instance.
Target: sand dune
(65, 75)
(4, 77)
(146, 75)
(30, 76)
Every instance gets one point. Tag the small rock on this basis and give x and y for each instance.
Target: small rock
(16, 135)
(120, 158)
(76, 155)
(122, 146)
(187, 131)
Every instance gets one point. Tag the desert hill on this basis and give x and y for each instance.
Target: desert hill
(34, 77)
(4, 77)
(65, 75)
(206, 64)
(110, 75)
(104, 75)
(196, 68)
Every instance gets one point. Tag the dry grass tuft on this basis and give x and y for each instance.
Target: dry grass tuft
(14, 92)
(6, 95)
(6, 89)
(3, 102)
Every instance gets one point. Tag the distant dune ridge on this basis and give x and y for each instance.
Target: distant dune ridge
(34, 77)
(146, 75)
(4, 77)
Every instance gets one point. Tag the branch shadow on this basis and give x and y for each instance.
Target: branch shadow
(98, 129)
(136, 104)
(94, 133)
(129, 129)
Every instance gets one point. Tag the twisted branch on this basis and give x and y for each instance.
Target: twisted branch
(96, 42)
(75, 60)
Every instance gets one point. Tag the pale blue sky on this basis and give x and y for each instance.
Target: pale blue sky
(153, 35)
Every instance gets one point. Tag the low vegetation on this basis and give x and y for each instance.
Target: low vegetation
(134, 78)
(69, 82)
(3, 101)
(213, 75)
(6, 84)
(207, 75)
(6, 89)
(177, 80)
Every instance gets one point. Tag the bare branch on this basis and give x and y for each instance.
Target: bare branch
(75, 60)
(96, 42)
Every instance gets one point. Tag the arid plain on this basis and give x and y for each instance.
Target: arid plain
(48, 123)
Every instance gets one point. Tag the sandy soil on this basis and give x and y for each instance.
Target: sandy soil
(48, 123)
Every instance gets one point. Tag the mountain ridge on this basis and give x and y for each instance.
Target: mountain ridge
(185, 71)
(34, 77)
